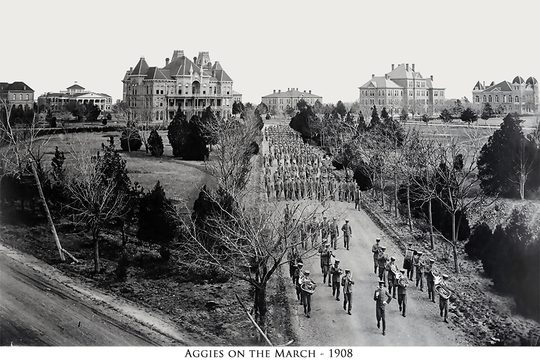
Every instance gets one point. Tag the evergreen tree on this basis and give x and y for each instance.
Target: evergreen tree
(375, 120)
(155, 223)
(186, 139)
(155, 143)
(469, 116)
(487, 112)
(384, 114)
(507, 160)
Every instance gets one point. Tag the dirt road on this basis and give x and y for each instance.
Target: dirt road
(330, 325)
(40, 307)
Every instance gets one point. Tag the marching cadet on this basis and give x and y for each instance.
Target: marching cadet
(335, 273)
(325, 229)
(402, 292)
(352, 188)
(382, 260)
(304, 234)
(347, 283)
(298, 273)
(279, 189)
(326, 254)
(381, 298)
(443, 301)
(356, 194)
(391, 276)
(308, 286)
(347, 233)
(430, 273)
(332, 188)
(419, 264)
(376, 249)
(334, 233)
(314, 230)
(408, 263)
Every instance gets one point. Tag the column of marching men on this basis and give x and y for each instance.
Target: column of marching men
(302, 172)
(294, 170)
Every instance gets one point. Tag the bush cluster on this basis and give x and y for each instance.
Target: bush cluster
(510, 256)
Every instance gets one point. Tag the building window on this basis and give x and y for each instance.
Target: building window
(490, 99)
(517, 99)
(477, 99)
(484, 98)
(497, 98)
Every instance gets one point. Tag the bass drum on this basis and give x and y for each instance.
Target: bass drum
(408, 261)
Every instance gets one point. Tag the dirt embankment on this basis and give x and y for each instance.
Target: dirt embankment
(485, 316)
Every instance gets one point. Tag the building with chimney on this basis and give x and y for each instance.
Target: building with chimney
(56, 101)
(16, 94)
(156, 94)
(402, 88)
(280, 100)
(519, 96)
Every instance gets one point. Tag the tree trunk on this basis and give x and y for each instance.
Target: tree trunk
(260, 306)
(409, 216)
(395, 195)
(95, 234)
(522, 180)
(382, 191)
(430, 216)
(454, 243)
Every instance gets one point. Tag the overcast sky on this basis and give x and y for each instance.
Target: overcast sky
(328, 47)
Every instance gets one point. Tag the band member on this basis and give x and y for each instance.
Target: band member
(347, 283)
(347, 233)
(381, 298)
(376, 249)
(402, 292)
(298, 273)
(308, 286)
(408, 261)
(325, 229)
(334, 233)
(335, 272)
(443, 302)
(356, 194)
(419, 264)
(430, 273)
(326, 254)
(304, 234)
(390, 267)
(382, 260)
(314, 230)
(292, 256)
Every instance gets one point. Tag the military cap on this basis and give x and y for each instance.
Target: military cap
(346, 220)
(377, 240)
(445, 276)
(347, 270)
(300, 263)
(383, 247)
(381, 281)
(402, 270)
(419, 253)
(336, 261)
(432, 260)
(306, 271)
(392, 258)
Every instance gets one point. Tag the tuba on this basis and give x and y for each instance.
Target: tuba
(444, 292)
(400, 278)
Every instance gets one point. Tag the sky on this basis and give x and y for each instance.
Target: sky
(328, 47)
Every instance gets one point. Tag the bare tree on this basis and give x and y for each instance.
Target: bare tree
(249, 243)
(98, 191)
(456, 181)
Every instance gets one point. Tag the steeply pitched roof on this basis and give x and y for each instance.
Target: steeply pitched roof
(181, 66)
(291, 93)
(478, 86)
(75, 86)
(157, 73)
(141, 68)
(219, 73)
(503, 86)
(518, 80)
(532, 80)
(380, 82)
(401, 72)
(18, 86)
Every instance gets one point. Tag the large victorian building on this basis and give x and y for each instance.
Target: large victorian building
(402, 88)
(57, 100)
(280, 100)
(16, 94)
(519, 96)
(156, 94)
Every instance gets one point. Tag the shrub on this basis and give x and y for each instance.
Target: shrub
(155, 143)
(132, 135)
(480, 239)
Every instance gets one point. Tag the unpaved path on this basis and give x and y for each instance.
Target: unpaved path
(41, 307)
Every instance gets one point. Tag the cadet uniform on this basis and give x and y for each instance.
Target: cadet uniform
(335, 272)
(402, 294)
(381, 298)
(347, 233)
(347, 283)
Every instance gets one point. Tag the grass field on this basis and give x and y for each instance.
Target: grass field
(180, 179)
